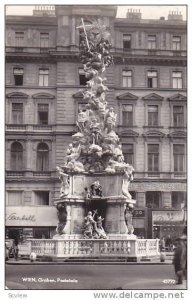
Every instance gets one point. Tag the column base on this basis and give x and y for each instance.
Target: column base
(67, 236)
(121, 236)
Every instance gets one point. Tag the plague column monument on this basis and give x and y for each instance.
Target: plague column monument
(94, 201)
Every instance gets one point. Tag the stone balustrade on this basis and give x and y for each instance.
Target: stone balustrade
(128, 248)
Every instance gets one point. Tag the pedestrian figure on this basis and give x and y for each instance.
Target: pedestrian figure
(183, 239)
(179, 260)
(16, 250)
(169, 243)
(162, 244)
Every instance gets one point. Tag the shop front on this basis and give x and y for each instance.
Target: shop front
(139, 223)
(168, 224)
(26, 222)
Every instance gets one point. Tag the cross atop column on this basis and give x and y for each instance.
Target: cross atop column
(84, 29)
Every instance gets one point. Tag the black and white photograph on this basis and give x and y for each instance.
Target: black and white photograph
(95, 130)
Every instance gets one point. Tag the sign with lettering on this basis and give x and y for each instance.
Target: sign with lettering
(139, 213)
(15, 217)
(158, 186)
(167, 217)
(31, 216)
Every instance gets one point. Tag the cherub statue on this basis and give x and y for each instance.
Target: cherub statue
(82, 120)
(73, 152)
(64, 178)
(95, 130)
(110, 119)
(96, 189)
(128, 213)
(127, 178)
(62, 217)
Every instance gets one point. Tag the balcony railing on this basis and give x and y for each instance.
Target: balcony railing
(116, 50)
(25, 49)
(153, 174)
(137, 175)
(20, 127)
(25, 127)
(42, 127)
(40, 173)
(29, 173)
(149, 52)
(179, 174)
(15, 173)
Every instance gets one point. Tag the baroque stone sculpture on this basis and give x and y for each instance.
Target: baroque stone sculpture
(92, 228)
(95, 147)
(62, 217)
(95, 151)
(129, 218)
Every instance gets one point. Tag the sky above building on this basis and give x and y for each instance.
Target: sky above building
(147, 11)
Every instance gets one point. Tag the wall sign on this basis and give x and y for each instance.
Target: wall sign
(14, 217)
(31, 216)
(139, 213)
(167, 217)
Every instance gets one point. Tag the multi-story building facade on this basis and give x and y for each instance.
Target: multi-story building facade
(147, 88)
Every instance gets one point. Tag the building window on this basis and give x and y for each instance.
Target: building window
(82, 79)
(16, 156)
(42, 157)
(152, 79)
(178, 200)
(153, 199)
(18, 76)
(128, 153)
(179, 157)
(126, 41)
(127, 115)
(19, 39)
(152, 115)
(14, 198)
(44, 40)
(178, 116)
(176, 43)
(151, 41)
(127, 78)
(41, 233)
(17, 113)
(43, 111)
(43, 77)
(41, 198)
(153, 158)
(177, 80)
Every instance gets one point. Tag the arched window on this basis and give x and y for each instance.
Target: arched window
(42, 157)
(16, 156)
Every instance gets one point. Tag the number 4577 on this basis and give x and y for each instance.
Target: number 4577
(168, 281)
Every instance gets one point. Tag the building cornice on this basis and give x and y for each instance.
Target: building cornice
(150, 24)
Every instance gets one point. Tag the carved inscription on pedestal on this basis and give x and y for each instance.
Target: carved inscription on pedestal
(112, 219)
(78, 185)
(77, 219)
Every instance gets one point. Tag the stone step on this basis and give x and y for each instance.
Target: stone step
(96, 259)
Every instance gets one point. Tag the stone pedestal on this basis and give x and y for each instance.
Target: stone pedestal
(111, 205)
(114, 218)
